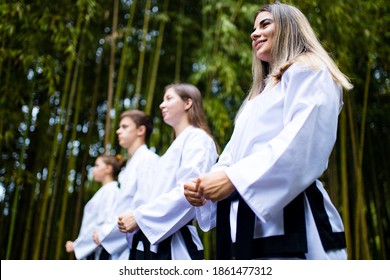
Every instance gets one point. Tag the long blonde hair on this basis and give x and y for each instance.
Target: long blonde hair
(294, 40)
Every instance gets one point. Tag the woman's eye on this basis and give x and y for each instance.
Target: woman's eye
(264, 25)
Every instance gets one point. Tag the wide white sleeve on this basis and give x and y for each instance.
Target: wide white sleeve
(206, 215)
(112, 239)
(115, 241)
(224, 160)
(171, 211)
(273, 176)
(83, 245)
(106, 206)
(103, 201)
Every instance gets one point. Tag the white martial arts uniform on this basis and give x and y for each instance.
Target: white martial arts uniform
(96, 212)
(130, 179)
(191, 154)
(279, 147)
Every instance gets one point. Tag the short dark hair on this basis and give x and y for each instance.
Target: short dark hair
(139, 118)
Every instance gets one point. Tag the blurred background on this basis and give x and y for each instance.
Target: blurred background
(69, 68)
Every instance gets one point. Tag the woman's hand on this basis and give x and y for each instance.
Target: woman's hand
(95, 237)
(194, 197)
(69, 247)
(215, 186)
(127, 223)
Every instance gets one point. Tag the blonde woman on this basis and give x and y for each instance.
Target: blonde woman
(265, 185)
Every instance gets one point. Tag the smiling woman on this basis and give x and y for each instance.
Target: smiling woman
(264, 195)
(262, 36)
(66, 80)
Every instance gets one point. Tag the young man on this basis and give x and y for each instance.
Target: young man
(134, 130)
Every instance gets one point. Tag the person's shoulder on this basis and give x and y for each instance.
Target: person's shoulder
(307, 63)
(199, 135)
(303, 70)
(150, 155)
(108, 188)
(153, 155)
(146, 151)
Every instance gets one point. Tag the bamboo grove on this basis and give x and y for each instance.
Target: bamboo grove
(68, 69)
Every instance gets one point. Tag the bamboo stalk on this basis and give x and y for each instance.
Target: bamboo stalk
(124, 63)
(107, 144)
(141, 62)
(155, 63)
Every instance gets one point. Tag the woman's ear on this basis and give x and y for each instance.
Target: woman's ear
(109, 169)
(188, 104)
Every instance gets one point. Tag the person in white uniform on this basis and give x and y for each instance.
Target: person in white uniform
(97, 209)
(162, 223)
(135, 128)
(264, 190)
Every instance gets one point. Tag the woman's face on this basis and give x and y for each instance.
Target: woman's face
(262, 36)
(127, 132)
(100, 170)
(173, 108)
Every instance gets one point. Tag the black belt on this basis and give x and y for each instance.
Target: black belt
(104, 255)
(293, 244)
(164, 247)
(163, 253)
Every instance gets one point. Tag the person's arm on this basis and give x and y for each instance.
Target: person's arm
(84, 245)
(171, 211)
(282, 168)
(106, 206)
(206, 209)
(69, 246)
(142, 164)
(103, 201)
(127, 223)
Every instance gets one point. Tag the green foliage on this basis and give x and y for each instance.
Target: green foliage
(43, 42)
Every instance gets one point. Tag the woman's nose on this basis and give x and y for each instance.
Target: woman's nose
(255, 34)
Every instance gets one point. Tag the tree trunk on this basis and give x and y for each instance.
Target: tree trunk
(152, 82)
(107, 145)
(124, 64)
(19, 182)
(138, 85)
(361, 242)
(51, 167)
(179, 45)
(71, 161)
(344, 181)
(79, 199)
